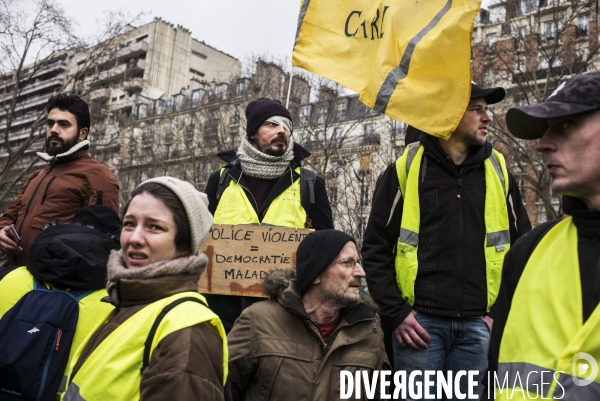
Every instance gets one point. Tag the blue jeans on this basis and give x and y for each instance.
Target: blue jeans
(456, 344)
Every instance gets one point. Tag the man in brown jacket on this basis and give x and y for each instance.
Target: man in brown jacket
(318, 321)
(71, 181)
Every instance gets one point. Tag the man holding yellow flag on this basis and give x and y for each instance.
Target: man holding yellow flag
(443, 217)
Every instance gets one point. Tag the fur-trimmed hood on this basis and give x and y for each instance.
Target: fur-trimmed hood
(277, 281)
(282, 284)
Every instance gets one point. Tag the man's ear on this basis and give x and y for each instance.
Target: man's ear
(83, 133)
(317, 280)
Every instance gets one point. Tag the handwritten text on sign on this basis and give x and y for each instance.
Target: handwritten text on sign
(241, 256)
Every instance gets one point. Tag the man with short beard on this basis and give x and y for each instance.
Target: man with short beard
(318, 321)
(443, 217)
(263, 183)
(71, 180)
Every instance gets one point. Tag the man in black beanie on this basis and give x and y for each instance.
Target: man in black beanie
(263, 183)
(319, 320)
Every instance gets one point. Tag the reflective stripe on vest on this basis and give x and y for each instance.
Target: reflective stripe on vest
(285, 211)
(545, 331)
(92, 312)
(113, 370)
(497, 241)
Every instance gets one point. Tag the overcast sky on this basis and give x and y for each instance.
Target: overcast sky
(240, 28)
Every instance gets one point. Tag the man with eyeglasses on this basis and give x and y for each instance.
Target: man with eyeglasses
(443, 217)
(319, 320)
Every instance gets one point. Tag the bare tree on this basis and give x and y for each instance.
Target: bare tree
(34, 43)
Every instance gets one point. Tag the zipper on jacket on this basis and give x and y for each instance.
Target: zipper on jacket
(460, 243)
(33, 196)
(46, 191)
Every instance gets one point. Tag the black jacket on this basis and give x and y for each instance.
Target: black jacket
(587, 223)
(451, 280)
(229, 308)
(71, 256)
(320, 211)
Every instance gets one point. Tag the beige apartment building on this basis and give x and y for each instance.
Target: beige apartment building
(153, 61)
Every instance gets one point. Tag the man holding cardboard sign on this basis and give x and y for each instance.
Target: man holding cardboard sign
(263, 183)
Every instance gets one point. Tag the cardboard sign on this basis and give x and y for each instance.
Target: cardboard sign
(241, 256)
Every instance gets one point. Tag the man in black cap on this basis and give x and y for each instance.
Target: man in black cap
(318, 321)
(547, 315)
(443, 217)
(263, 183)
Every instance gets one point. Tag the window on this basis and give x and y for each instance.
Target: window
(550, 31)
(235, 116)
(168, 151)
(521, 34)
(364, 194)
(240, 88)
(149, 133)
(582, 24)
(341, 109)
(126, 180)
(362, 225)
(322, 114)
(333, 195)
(305, 112)
(142, 38)
(143, 176)
(196, 72)
(337, 133)
(197, 97)
(369, 129)
(491, 39)
(321, 135)
(142, 108)
(199, 55)
(121, 97)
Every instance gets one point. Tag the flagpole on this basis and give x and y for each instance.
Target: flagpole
(287, 102)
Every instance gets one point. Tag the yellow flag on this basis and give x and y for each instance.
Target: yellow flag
(407, 58)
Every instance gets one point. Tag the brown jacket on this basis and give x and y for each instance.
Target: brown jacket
(276, 351)
(56, 193)
(187, 364)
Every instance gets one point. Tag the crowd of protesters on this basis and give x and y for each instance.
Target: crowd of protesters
(451, 277)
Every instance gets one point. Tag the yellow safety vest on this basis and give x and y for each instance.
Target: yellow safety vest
(92, 312)
(497, 241)
(545, 330)
(284, 211)
(113, 370)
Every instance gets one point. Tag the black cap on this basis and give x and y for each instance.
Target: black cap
(412, 135)
(316, 252)
(260, 110)
(491, 95)
(577, 95)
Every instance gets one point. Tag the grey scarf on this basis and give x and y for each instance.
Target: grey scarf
(261, 165)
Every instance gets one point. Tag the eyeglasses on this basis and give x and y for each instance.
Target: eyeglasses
(349, 263)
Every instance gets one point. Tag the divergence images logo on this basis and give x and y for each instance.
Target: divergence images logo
(35, 330)
(584, 364)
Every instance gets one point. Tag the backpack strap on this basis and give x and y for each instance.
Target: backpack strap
(160, 317)
(307, 192)
(77, 293)
(223, 182)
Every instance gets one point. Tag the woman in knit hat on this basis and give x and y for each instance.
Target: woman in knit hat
(162, 341)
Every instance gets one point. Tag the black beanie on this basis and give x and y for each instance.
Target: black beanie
(100, 217)
(261, 109)
(316, 252)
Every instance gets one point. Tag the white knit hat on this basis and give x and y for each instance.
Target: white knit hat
(196, 207)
